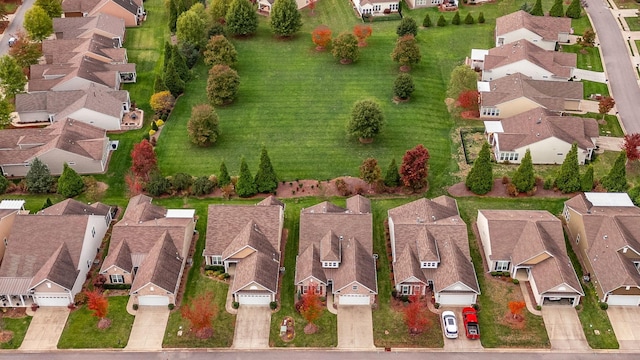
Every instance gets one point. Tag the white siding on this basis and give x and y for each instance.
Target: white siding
(97, 119)
(523, 66)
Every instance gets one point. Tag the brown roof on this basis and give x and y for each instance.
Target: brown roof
(73, 27)
(547, 93)
(357, 265)
(84, 6)
(122, 258)
(74, 207)
(308, 264)
(46, 77)
(61, 51)
(558, 63)
(260, 268)
(539, 124)
(50, 101)
(59, 269)
(359, 204)
(330, 247)
(161, 267)
(251, 236)
(548, 27)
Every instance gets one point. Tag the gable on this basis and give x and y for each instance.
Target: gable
(458, 286)
(252, 286)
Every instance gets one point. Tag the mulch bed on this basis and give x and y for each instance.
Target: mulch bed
(3, 26)
(500, 190)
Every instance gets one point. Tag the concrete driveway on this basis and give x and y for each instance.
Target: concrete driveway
(461, 344)
(45, 328)
(252, 327)
(625, 321)
(355, 327)
(564, 328)
(594, 76)
(148, 328)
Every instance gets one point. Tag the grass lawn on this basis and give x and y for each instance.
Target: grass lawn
(19, 327)
(81, 330)
(610, 128)
(633, 23)
(626, 4)
(588, 57)
(581, 24)
(592, 87)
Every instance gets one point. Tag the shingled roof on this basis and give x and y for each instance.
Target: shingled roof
(558, 63)
(308, 264)
(161, 267)
(59, 269)
(75, 207)
(74, 27)
(548, 27)
(547, 93)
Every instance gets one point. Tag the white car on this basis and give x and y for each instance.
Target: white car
(449, 324)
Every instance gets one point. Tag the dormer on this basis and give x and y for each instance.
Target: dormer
(427, 250)
(330, 250)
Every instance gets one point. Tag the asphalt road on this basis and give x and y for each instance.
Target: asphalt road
(620, 70)
(15, 25)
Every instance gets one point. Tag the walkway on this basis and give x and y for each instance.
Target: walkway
(589, 75)
(147, 332)
(45, 328)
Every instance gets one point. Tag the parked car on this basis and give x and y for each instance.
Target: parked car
(449, 324)
(470, 320)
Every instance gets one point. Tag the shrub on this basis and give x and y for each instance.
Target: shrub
(427, 21)
(70, 183)
(202, 186)
(538, 307)
(494, 273)
(469, 19)
(81, 298)
(515, 281)
(116, 286)
(404, 298)
(343, 188)
(171, 306)
(222, 84)
(220, 51)
(366, 119)
(345, 48)
(273, 305)
(407, 26)
(39, 179)
(481, 18)
(135, 306)
(456, 19)
(578, 307)
(214, 267)
(441, 21)
(246, 185)
(158, 184)
(480, 178)
(574, 9)
(203, 126)
(436, 305)
(181, 181)
(403, 87)
(236, 304)
(548, 184)
(603, 305)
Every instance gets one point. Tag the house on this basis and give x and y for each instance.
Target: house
(548, 136)
(49, 254)
(336, 252)
(416, 4)
(375, 7)
(97, 106)
(131, 11)
(148, 250)
(85, 148)
(546, 32)
(529, 244)
(266, 5)
(246, 241)
(430, 252)
(604, 230)
(530, 60)
(517, 93)
(84, 27)
(8, 211)
(70, 51)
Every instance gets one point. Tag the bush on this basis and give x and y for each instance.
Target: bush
(481, 18)
(202, 186)
(515, 281)
(441, 21)
(273, 305)
(456, 18)
(403, 87)
(469, 19)
(548, 184)
(222, 84)
(494, 273)
(181, 181)
(214, 267)
(81, 298)
(427, 21)
(171, 306)
(579, 307)
(70, 183)
(404, 298)
(511, 190)
(476, 307)
(538, 307)
(117, 286)
(343, 188)
(158, 184)
(407, 26)
(436, 305)
(236, 304)
(603, 306)
(135, 306)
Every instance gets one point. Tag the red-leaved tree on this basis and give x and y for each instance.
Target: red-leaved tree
(312, 6)
(605, 105)
(468, 100)
(415, 315)
(134, 184)
(515, 307)
(200, 312)
(630, 146)
(98, 303)
(143, 160)
(321, 36)
(414, 169)
(311, 308)
(362, 32)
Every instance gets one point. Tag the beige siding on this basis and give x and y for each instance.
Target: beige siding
(128, 277)
(53, 288)
(485, 239)
(624, 291)
(33, 116)
(537, 259)
(515, 107)
(56, 158)
(147, 290)
(323, 290)
(256, 286)
(5, 227)
(549, 151)
(97, 119)
(572, 105)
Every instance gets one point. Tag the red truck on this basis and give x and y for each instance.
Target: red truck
(470, 320)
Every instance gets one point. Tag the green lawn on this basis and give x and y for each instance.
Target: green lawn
(633, 23)
(592, 87)
(626, 4)
(588, 57)
(81, 330)
(19, 327)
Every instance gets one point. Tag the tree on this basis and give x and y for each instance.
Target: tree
(634, 194)
(246, 185)
(24, 51)
(285, 18)
(414, 169)
(224, 178)
(392, 176)
(345, 48)
(98, 303)
(415, 315)
(39, 179)
(481, 18)
(605, 105)
(586, 181)
(366, 119)
(616, 179)
(202, 186)
(157, 184)
(630, 146)
(441, 21)
(574, 9)
(311, 308)
(162, 102)
(181, 181)
(70, 183)
(456, 18)
(134, 184)
(173, 15)
(568, 179)
(4, 184)
(362, 32)
(6, 110)
(370, 171)
(588, 38)
(12, 79)
(469, 99)
(37, 23)
(462, 78)
(3, 12)
(143, 160)
(222, 85)
(524, 178)
(191, 29)
(557, 10)
(516, 307)
(403, 86)
(427, 21)
(203, 126)
(266, 179)
(321, 36)
(406, 52)
(469, 19)
(220, 51)
(480, 177)
(200, 312)
(242, 19)
(218, 10)
(180, 64)
(537, 9)
(407, 26)
(172, 80)
(53, 8)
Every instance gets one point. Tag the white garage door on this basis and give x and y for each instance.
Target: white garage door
(455, 299)
(254, 299)
(354, 299)
(153, 300)
(53, 300)
(630, 300)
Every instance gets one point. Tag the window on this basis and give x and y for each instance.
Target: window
(435, 2)
(330, 264)
(93, 232)
(429, 265)
(216, 260)
(393, 7)
(637, 265)
(377, 8)
(421, 2)
(566, 213)
(116, 279)
(490, 111)
(354, 287)
(305, 288)
(88, 264)
(405, 289)
(502, 266)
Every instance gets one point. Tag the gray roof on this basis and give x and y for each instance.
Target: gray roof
(75, 207)
(559, 64)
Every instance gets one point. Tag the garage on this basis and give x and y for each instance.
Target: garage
(153, 300)
(354, 299)
(462, 299)
(53, 300)
(560, 300)
(624, 300)
(245, 298)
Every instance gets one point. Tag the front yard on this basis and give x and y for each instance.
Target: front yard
(17, 326)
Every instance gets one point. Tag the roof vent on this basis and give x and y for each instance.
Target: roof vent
(605, 237)
(539, 120)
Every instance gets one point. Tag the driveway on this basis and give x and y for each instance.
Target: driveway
(252, 327)
(625, 321)
(610, 143)
(355, 327)
(148, 328)
(461, 344)
(564, 328)
(594, 76)
(45, 328)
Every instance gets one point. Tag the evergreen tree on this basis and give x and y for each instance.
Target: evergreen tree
(70, 183)
(441, 21)
(557, 10)
(246, 186)
(456, 19)
(469, 19)
(574, 9)
(266, 179)
(407, 26)
(4, 184)
(537, 9)
(586, 183)
(481, 18)
(173, 16)
(180, 64)
(168, 53)
(480, 178)
(46, 204)
(568, 179)
(172, 80)
(224, 178)
(616, 179)
(524, 178)
(39, 179)
(242, 19)
(427, 21)
(392, 176)
(285, 18)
